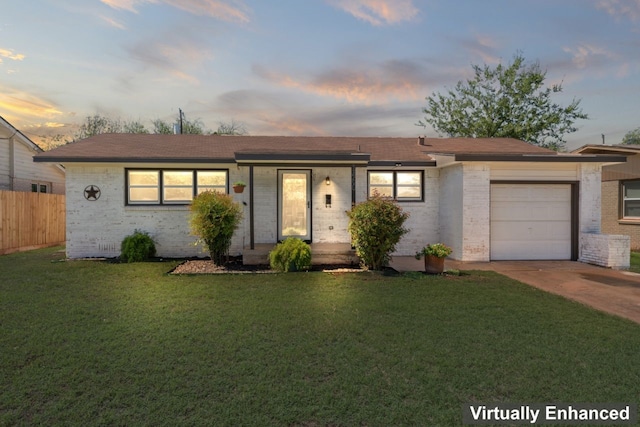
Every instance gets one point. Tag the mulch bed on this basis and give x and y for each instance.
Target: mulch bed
(235, 265)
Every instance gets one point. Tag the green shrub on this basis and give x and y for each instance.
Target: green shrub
(376, 226)
(439, 250)
(137, 247)
(291, 255)
(214, 218)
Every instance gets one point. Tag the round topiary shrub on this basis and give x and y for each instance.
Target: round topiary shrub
(292, 254)
(214, 218)
(137, 247)
(376, 227)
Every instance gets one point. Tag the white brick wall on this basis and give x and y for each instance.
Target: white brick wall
(606, 250)
(450, 209)
(96, 228)
(476, 208)
(590, 197)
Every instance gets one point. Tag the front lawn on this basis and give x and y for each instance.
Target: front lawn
(93, 343)
(635, 262)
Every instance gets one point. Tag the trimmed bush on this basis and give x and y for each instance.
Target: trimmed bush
(292, 254)
(214, 218)
(137, 247)
(376, 227)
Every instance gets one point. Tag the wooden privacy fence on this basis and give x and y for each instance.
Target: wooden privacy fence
(30, 221)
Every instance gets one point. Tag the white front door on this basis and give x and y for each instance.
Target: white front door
(294, 204)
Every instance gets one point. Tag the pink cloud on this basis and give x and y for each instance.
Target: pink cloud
(378, 12)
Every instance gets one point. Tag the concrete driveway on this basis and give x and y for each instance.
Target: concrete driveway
(613, 291)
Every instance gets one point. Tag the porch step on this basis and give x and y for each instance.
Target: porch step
(321, 253)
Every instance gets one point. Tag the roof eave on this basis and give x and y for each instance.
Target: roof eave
(542, 158)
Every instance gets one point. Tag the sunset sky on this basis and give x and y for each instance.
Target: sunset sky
(305, 67)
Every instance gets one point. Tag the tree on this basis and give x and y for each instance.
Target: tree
(193, 127)
(632, 137)
(97, 124)
(505, 101)
(231, 128)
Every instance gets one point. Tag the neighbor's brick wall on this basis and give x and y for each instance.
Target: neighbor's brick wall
(606, 250)
(611, 223)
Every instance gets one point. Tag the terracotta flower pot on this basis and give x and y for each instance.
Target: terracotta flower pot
(238, 188)
(433, 264)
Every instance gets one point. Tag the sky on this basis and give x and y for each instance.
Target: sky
(306, 67)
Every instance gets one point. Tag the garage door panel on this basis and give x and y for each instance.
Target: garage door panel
(530, 221)
(552, 250)
(532, 230)
(501, 211)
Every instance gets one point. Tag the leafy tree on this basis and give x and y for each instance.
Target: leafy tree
(376, 227)
(134, 126)
(505, 101)
(193, 127)
(162, 127)
(231, 128)
(97, 124)
(214, 218)
(632, 137)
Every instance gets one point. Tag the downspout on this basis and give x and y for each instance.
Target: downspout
(12, 161)
(252, 243)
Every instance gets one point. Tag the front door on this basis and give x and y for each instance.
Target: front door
(294, 204)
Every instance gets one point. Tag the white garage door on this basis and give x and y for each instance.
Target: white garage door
(530, 221)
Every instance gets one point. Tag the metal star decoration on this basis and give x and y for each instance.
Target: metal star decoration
(92, 192)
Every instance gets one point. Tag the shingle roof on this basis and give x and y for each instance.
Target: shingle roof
(209, 148)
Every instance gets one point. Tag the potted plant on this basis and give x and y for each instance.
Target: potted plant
(238, 186)
(434, 255)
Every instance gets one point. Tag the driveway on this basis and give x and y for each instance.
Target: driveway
(613, 291)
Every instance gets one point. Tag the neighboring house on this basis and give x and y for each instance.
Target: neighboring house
(620, 191)
(18, 172)
(490, 199)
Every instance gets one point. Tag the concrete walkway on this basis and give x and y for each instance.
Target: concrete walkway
(613, 291)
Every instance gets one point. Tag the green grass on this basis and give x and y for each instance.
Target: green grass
(93, 343)
(635, 262)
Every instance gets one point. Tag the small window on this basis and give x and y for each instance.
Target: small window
(212, 181)
(381, 183)
(631, 199)
(39, 188)
(400, 185)
(144, 186)
(177, 186)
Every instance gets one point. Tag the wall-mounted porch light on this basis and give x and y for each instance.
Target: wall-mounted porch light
(327, 181)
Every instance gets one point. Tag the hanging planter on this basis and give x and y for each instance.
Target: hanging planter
(238, 187)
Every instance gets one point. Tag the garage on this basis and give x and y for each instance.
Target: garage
(531, 221)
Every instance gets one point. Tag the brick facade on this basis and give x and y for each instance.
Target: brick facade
(611, 223)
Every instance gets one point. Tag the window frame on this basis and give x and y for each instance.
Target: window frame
(39, 187)
(161, 185)
(624, 199)
(395, 185)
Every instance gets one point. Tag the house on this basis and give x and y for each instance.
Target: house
(620, 191)
(490, 199)
(17, 170)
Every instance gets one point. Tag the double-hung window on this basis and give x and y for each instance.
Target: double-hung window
(631, 199)
(177, 187)
(399, 185)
